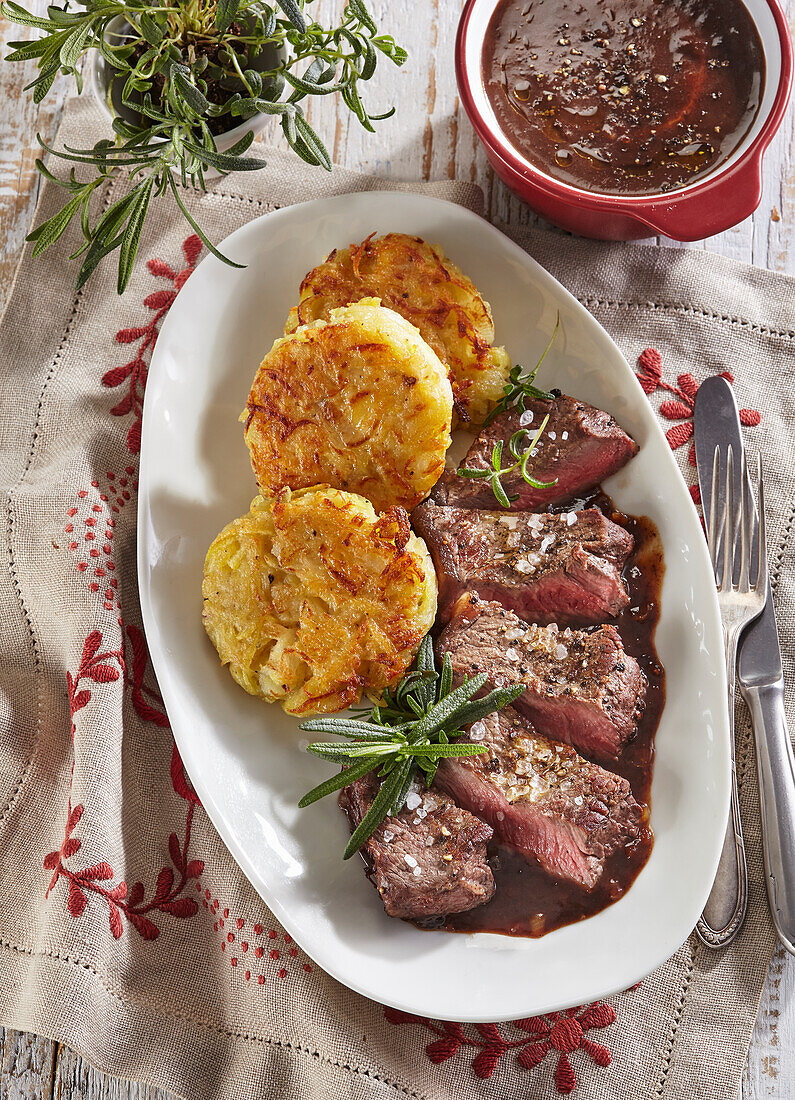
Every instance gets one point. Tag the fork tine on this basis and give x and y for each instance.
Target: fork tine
(761, 573)
(746, 526)
(714, 533)
(729, 528)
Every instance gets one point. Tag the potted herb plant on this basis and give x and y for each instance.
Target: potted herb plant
(187, 84)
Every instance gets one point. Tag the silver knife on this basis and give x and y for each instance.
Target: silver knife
(760, 676)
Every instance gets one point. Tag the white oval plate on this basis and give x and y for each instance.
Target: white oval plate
(243, 755)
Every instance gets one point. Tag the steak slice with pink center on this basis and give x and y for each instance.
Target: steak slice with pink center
(563, 568)
(429, 860)
(580, 447)
(541, 797)
(581, 687)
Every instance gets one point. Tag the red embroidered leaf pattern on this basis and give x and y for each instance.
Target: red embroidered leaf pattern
(688, 385)
(76, 902)
(442, 1049)
(485, 1063)
(115, 921)
(684, 393)
(169, 894)
(565, 1081)
(675, 410)
(679, 434)
(533, 1055)
(134, 372)
(650, 373)
(560, 1032)
(99, 871)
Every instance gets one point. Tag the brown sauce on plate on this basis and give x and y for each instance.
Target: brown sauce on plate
(626, 97)
(528, 900)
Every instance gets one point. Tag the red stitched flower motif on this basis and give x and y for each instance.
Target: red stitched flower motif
(559, 1032)
(650, 377)
(134, 372)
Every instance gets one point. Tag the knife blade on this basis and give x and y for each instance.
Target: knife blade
(759, 675)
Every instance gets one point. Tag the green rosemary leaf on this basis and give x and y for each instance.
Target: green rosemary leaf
(488, 704)
(443, 711)
(336, 783)
(24, 51)
(446, 679)
(49, 232)
(386, 44)
(153, 33)
(402, 795)
(522, 460)
(473, 472)
(496, 457)
(362, 14)
(225, 12)
(352, 99)
(197, 228)
(313, 142)
(132, 235)
(499, 492)
(390, 788)
(43, 84)
(16, 14)
(193, 97)
(294, 14)
(347, 727)
(338, 750)
(437, 752)
(74, 45)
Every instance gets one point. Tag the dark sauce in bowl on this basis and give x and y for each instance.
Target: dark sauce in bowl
(528, 900)
(624, 97)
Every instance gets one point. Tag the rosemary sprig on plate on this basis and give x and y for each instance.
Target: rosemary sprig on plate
(404, 736)
(520, 387)
(497, 470)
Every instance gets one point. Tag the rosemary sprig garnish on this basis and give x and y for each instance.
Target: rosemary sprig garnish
(406, 734)
(520, 387)
(497, 470)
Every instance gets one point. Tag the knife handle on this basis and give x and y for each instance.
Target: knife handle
(776, 765)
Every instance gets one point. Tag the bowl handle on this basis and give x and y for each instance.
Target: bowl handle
(731, 199)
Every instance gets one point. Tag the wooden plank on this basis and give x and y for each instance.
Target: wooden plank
(770, 1070)
(75, 1079)
(27, 1064)
(21, 119)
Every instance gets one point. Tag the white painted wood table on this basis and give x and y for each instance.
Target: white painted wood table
(428, 138)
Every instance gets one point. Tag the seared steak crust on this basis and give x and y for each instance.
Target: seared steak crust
(563, 568)
(543, 798)
(580, 687)
(428, 861)
(580, 447)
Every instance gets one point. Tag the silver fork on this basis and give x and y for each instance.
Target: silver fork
(740, 603)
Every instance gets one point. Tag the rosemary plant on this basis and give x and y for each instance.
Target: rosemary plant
(185, 71)
(404, 737)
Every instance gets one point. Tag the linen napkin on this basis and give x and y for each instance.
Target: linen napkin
(126, 929)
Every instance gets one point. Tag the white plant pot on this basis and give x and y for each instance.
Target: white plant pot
(100, 77)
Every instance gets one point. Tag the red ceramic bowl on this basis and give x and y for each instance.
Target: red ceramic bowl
(711, 205)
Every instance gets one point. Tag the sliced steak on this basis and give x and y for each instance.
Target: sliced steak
(543, 798)
(563, 568)
(428, 861)
(580, 687)
(580, 447)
